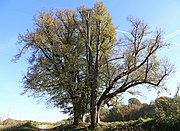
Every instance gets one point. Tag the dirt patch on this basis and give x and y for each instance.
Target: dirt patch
(43, 126)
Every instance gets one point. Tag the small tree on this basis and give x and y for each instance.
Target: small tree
(134, 101)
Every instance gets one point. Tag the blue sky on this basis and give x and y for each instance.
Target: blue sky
(16, 17)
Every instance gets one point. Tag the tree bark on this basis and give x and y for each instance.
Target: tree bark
(92, 73)
(100, 103)
(93, 110)
(78, 117)
(98, 112)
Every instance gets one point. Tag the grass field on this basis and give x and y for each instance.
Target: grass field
(148, 124)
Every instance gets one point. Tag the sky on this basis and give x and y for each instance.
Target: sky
(17, 16)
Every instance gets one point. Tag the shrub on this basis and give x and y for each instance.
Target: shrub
(167, 113)
(11, 122)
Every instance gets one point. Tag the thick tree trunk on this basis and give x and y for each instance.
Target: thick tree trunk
(93, 110)
(95, 107)
(78, 117)
(93, 116)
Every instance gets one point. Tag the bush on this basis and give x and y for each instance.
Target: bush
(167, 113)
(127, 112)
(11, 122)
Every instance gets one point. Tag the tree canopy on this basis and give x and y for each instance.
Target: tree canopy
(76, 60)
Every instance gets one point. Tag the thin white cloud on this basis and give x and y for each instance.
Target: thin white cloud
(172, 43)
(124, 32)
(128, 33)
(172, 34)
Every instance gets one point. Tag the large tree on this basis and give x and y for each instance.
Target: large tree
(75, 55)
(67, 49)
(57, 64)
(122, 65)
(137, 62)
(98, 35)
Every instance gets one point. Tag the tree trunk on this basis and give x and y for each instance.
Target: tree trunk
(99, 105)
(93, 116)
(93, 110)
(95, 107)
(78, 118)
(98, 115)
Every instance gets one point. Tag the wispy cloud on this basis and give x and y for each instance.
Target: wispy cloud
(167, 37)
(173, 34)
(122, 31)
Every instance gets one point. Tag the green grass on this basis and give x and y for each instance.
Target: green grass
(136, 125)
(141, 124)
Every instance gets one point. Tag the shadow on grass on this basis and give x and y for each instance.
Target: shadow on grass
(70, 127)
